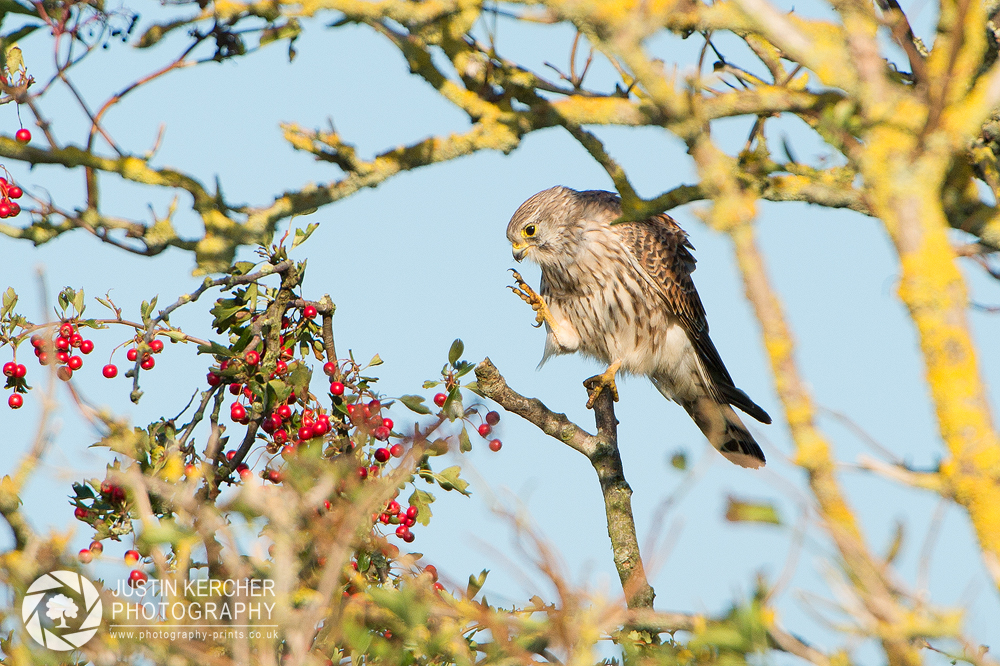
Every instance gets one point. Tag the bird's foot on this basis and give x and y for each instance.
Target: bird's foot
(531, 297)
(598, 383)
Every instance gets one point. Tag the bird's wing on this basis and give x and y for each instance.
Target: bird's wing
(662, 248)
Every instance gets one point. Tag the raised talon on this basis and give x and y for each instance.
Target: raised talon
(596, 384)
(531, 297)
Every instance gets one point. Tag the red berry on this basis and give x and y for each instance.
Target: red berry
(230, 455)
(64, 373)
(288, 450)
(96, 547)
(137, 578)
(5, 210)
(62, 356)
(396, 450)
(320, 428)
(337, 388)
(15, 401)
(485, 430)
(110, 371)
(62, 344)
(66, 329)
(409, 536)
(329, 368)
(36, 340)
(495, 445)
(280, 368)
(412, 511)
(439, 587)
(132, 354)
(85, 556)
(402, 530)
(280, 436)
(252, 357)
(309, 311)
(362, 473)
(285, 412)
(235, 389)
(274, 476)
(439, 399)
(14, 192)
(23, 135)
(381, 434)
(9, 368)
(156, 346)
(131, 557)
(14, 209)
(81, 513)
(305, 432)
(432, 570)
(213, 379)
(147, 363)
(392, 508)
(20, 371)
(388, 423)
(190, 470)
(374, 406)
(492, 418)
(244, 471)
(381, 454)
(75, 363)
(75, 340)
(43, 357)
(86, 347)
(238, 412)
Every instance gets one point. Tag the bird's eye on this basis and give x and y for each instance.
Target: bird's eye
(529, 230)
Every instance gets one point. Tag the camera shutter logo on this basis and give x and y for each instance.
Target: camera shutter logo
(72, 605)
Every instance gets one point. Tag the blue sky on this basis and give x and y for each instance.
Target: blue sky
(423, 259)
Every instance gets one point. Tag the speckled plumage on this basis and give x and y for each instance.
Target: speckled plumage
(624, 293)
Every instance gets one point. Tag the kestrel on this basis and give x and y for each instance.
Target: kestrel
(623, 294)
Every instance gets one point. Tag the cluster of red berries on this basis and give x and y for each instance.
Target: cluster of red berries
(86, 555)
(8, 192)
(16, 372)
(67, 339)
(147, 362)
(394, 514)
(492, 418)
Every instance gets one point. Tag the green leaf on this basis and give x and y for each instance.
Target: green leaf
(464, 444)
(290, 30)
(176, 336)
(429, 384)
(448, 479)
(455, 353)
(453, 405)
(302, 236)
(422, 500)
(79, 302)
(463, 368)
(242, 267)
(9, 301)
(376, 360)
(415, 403)
(157, 32)
(476, 583)
(751, 512)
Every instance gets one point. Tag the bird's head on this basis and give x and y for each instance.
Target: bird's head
(540, 227)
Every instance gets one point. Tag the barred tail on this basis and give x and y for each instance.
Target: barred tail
(725, 431)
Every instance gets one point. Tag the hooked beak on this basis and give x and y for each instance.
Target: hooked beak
(519, 250)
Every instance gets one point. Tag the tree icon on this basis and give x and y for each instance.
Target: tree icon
(61, 607)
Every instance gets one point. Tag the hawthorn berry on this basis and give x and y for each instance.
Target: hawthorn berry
(15, 401)
(381, 454)
(381, 434)
(274, 476)
(62, 343)
(440, 399)
(36, 340)
(396, 450)
(75, 340)
(493, 418)
(244, 471)
(62, 356)
(252, 357)
(374, 406)
(132, 354)
(305, 432)
(329, 368)
(439, 587)
(85, 555)
(362, 473)
(411, 512)
(66, 329)
(280, 368)
(137, 577)
(409, 536)
(230, 455)
(9, 368)
(190, 470)
(392, 508)
(147, 363)
(235, 389)
(321, 427)
(280, 436)
(213, 379)
(237, 412)
(14, 209)
(5, 209)
(23, 135)
(156, 346)
(288, 450)
(402, 530)
(337, 388)
(81, 513)
(15, 192)
(285, 412)
(86, 347)
(64, 373)
(75, 362)
(20, 371)
(495, 445)
(387, 422)
(110, 371)
(485, 430)
(96, 547)
(131, 557)
(43, 357)
(309, 311)
(432, 570)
